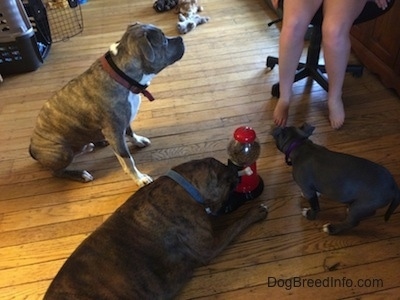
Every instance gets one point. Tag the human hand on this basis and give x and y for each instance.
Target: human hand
(383, 4)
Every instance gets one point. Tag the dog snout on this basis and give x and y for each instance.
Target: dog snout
(176, 48)
(276, 131)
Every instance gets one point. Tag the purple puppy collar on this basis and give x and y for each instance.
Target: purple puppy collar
(289, 150)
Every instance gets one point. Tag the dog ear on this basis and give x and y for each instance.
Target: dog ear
(308, 129)
(276, 131)
(146, 48)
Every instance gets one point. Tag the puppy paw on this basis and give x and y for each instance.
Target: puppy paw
(334, 229)
(305, 211)
(309, 213)
(327, 228)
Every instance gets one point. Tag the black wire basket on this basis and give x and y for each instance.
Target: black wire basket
(65, 19)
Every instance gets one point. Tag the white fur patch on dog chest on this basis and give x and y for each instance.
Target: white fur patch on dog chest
(134, 100)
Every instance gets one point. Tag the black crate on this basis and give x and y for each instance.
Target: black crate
(25, 37)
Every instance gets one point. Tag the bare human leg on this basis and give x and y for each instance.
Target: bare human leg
(297, 17)
(339, 16)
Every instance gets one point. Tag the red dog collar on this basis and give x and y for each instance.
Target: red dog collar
(119, 76)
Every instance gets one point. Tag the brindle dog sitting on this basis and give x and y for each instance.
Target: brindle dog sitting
(150, 246)
(102, 103)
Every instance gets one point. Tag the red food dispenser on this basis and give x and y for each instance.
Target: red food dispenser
(243, 151)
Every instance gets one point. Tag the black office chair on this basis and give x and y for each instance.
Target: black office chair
(311, 68)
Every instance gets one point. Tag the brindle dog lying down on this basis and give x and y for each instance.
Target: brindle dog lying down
(149, 247)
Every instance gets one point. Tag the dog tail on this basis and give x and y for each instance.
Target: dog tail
(393, 205)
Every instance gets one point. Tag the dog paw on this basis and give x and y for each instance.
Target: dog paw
(263, 211)
(334, 229)
(85, 149)
(88, 148)
(258, 213)
(101, 144)
(264, 207)
(327, 228)
(86, 176)
(309, 213)
(144, 180)
(140, 141)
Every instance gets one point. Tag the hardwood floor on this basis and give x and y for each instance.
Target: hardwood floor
(220, 84)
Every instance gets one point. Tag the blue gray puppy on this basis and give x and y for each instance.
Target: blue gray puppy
(362, 184)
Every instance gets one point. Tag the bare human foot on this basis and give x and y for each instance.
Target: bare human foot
(281, 112)
(336, 113)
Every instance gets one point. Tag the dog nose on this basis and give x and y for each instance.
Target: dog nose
(178, 47)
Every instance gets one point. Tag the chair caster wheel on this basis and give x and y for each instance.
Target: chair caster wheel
(357, 74)
(271, 62)
(275, 90)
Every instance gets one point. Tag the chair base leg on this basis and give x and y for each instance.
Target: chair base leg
(315, 72)
(311, 68)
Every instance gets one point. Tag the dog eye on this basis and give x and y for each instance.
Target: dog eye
(165, 42)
